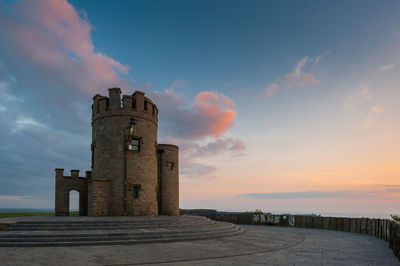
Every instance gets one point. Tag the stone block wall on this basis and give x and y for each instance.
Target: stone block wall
(99, 198)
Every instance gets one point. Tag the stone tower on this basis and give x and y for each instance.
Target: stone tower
(131, 173)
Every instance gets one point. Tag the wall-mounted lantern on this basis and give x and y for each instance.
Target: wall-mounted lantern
(132, 128)
(134, 141)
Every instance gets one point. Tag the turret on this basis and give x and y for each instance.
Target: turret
(168, 179)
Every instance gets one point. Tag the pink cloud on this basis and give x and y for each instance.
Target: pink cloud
(295, 79)
(53, 38)
(211, 114)
(211, 106)
(10, 198)
(300, 80)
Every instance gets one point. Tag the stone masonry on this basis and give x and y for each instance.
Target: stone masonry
(131, 173)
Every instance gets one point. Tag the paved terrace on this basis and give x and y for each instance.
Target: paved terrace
(263, 245)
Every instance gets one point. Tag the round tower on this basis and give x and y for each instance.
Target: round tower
(168, 179)
(124, 155)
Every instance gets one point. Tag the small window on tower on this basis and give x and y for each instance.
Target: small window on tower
(135, 191)
(135, 145)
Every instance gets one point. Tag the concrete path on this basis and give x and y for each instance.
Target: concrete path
(260, 245)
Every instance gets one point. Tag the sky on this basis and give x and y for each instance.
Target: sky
(283, 106)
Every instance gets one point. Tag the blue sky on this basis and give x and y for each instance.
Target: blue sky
(263, 97)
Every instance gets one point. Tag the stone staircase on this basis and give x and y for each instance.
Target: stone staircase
(67, 231)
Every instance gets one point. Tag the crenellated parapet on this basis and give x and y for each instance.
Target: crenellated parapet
(135, 105)
(74, 175)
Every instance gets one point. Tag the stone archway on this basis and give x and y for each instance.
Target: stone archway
(65, 184)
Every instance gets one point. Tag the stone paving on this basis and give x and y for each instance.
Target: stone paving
(260, 245)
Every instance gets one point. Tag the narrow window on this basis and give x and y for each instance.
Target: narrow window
(135, 191)
(145, 105)
(93, 146)
(134, 145)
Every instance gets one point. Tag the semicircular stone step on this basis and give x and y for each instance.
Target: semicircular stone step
(65, 226)
(113, 231)
(175, 235)
(52, 234)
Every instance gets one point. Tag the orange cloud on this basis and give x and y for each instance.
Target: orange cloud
(211, 105)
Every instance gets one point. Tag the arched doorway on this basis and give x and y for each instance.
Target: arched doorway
(74, 202)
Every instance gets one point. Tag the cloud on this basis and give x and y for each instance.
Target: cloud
(387, 67)
(25, 202)
(26, 122)
(314, 194)
(217, 111)
(198, 170)
(378, 108)
(52, 38)
(297, 78)
(210, 114)
(11, 198)
(272, 89)
(175, 85)
(359, 96)
(361, 101)
(374, 112)
(233, 145)
(194, 157)
(392, 186)
(393, 190)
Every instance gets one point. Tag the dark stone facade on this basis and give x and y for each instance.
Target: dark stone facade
(131, 173)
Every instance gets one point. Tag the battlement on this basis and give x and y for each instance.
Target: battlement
(136, 105)
(74, 174)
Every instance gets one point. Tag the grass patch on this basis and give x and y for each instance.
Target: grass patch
(20, 214)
